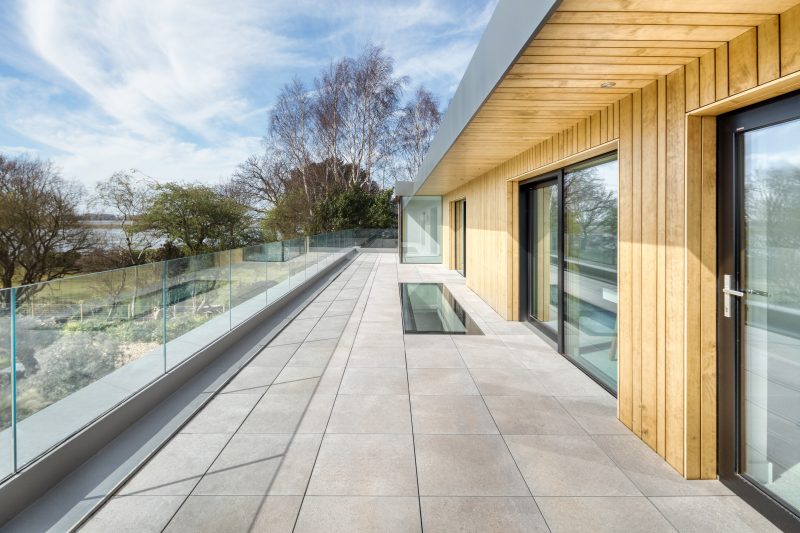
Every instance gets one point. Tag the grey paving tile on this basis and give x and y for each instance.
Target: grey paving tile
(489, 358)
(330, 380)
(507, 382)
(354, 293)
(374, 381)
(358, 514)
(612, 515)
(236, 514)
(262, 464)
(342, 353)
(276, 413)
(451, 415)
(296, 374)
(448, 381)
(482, 514)
(428, 342)
(365, 465)
(569, 382)
(543, 360)
(315, 309)
(133, 514)
(653, 475)
(391, 356)
(327, 295)
(328, 328)
(530, 342)
(568, 465)
(377, 312)
(379, 333)
(251, 379)
(478, 342)
(343, 306)
(434, 358)
(274, 355)
(382, 413)
(223, 414)
(295, 332)
(289, 413)
(712, 514)
(317, 414)
(377, 337)
(510, 328)
(176, 469)
(596, 414)
(313, 353)
(531, 415)
(467, 465)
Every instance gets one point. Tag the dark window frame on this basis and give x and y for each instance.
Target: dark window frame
(525, 256)
(730, 210)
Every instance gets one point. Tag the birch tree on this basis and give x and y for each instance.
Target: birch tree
(416, 128)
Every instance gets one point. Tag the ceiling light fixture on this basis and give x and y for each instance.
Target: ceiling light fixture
(607, 85)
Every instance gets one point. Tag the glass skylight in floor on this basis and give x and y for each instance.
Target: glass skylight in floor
(430, 308)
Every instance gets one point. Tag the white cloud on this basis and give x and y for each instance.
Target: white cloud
(18, 150)
(181, 89)
(157, 62)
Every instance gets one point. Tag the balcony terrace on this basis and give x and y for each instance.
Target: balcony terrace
(344, 423)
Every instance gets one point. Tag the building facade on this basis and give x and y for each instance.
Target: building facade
(625, 177)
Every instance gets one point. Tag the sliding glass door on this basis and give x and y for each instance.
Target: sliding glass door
(590, 264)
(569, 231)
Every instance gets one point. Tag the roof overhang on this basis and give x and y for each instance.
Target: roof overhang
(513, 24)
(543, 66)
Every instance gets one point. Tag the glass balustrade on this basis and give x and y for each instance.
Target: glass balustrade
(73, 349)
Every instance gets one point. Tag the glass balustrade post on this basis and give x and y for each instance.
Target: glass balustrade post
(13, 317)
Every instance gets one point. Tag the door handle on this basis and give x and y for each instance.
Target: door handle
(728, 292)
(732, 292)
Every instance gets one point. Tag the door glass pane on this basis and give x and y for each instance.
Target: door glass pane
(544, 250)
(590, 275)
(771, 334)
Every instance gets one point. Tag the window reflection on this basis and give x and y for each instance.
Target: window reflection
(543, 297)
(422, 229)
(771, 336)
(590, 267)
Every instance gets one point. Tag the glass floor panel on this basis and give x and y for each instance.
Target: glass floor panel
(430, 308)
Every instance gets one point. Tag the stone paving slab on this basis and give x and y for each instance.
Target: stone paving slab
(343, 423)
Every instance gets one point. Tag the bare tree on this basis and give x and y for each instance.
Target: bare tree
(329, 113)
(262, 178)
(291, 129)
(371, 99)
(130, 199)
(416, 128)
(340, 135)
(40, 236)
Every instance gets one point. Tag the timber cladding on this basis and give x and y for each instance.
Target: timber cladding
(660, 119)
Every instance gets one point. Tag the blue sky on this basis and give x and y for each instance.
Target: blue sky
(181, 89)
